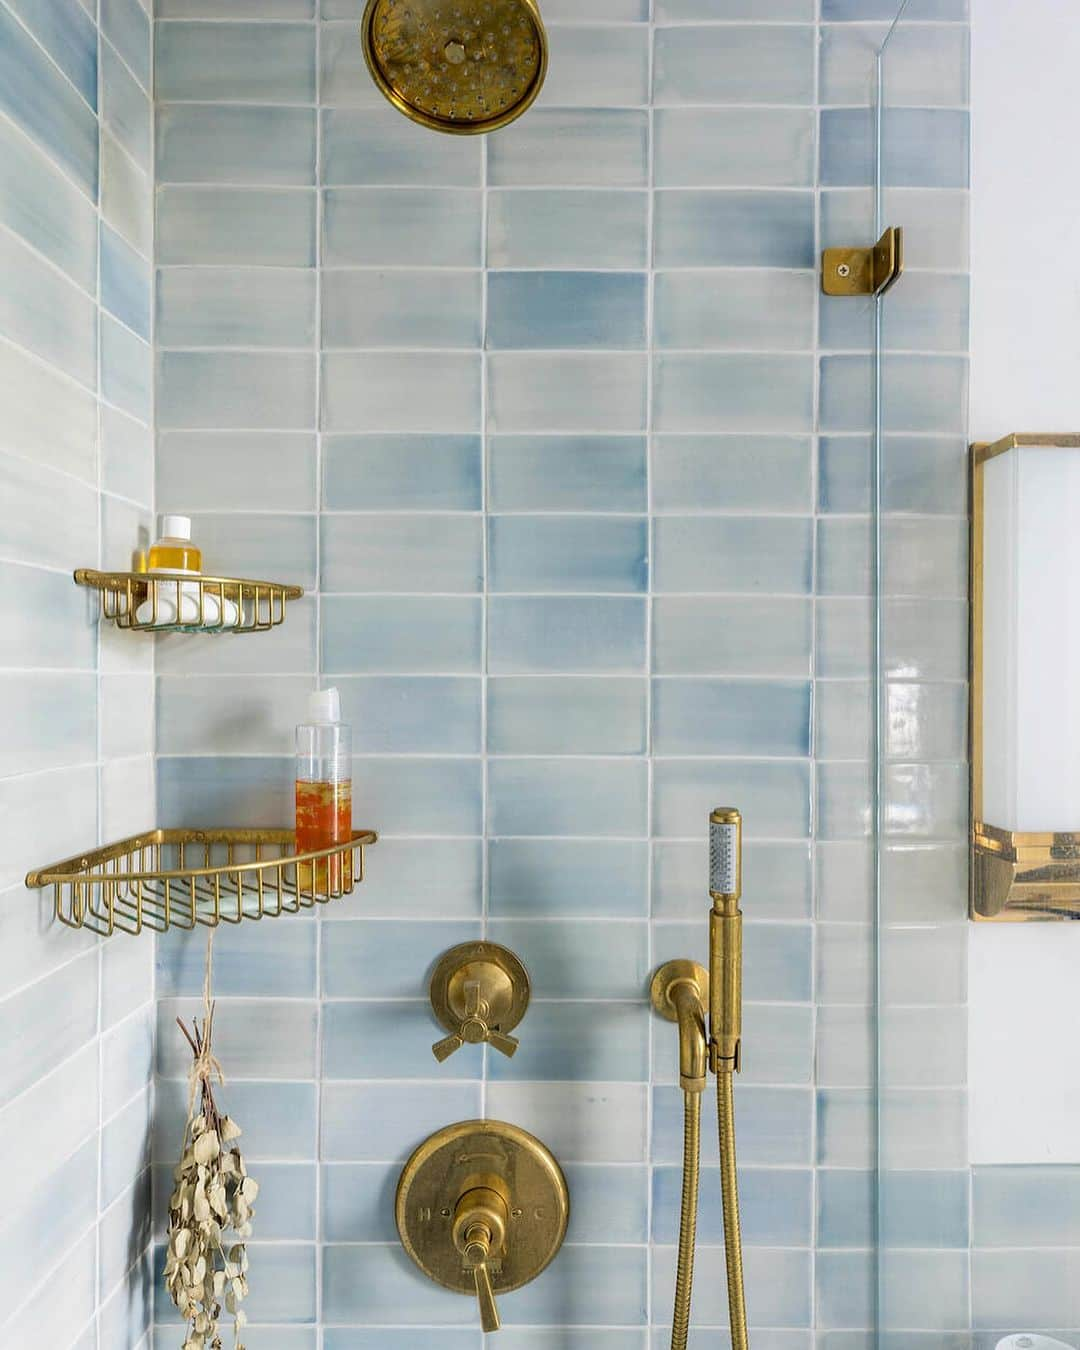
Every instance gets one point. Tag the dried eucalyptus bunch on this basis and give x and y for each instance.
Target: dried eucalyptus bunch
(211, 1207)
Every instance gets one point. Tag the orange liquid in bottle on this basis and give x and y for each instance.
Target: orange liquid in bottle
(324, 818)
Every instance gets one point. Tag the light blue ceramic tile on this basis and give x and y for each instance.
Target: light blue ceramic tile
(931, 316)
(600, 11)
(44, 622)
(845, 1284)
(843, 546)
(937, 233)
(386, 1041)
(125, 283)
(126, 371)
(47, 1122)
(384, 1122)
(125, 1146)
(730, 717)
(419, 796)
(45, 209)
(237, 9)
(399, 472)
(401, 308)
(927, 721)
(380, 1285)
(39, 99)
(846, 1128)
(610, 1204)
(401, 553)
(566, 309)
(401, 391)
(927, 66)
(442, 878)
(595, 634)
(127, 1060)
(599, 1285)
(286, 1209)
(924, 965)
(778, 1282)
(387, 1338)
(62, 1318)
(843, 643)
(257, 959)
(127, 25)
(567, 715)
(358, 1202)
(234, 225)
(923, 474)
(580, 1122)
(731, 473)
(844, 10)
(731, 635)
(69, 35)
(552, 877)
(738, 309)
(921, 394)
(567, 473)
(56, 1016)
(263, 1038)
(734, 147)
(278, 1119)
(265, 547)
(45, 313)
(843, 800)
(194, 791)
(601, 67)
(733, 393)
(777, 876)
(1025, 1206)
(344, 80)
(235, 307)
(580, 959)
(751, 63)
(237, 471)
(564, 797)
(573, 392)
(46, 720)
(286, 1293)
(767, 553)
(923, 147)
(567, 553)
(924, 1046)
(201, 714)
(378, 146)
(373, 227)
(125, 528)
(696, 11)
(925, 883)
(389, 959)
(377, 634)
(845, 1047)
(127, 456)
(927, 1127)
(775, 1206)
(774, 1124)
(774, 797)
(215, 143)
(236, 390)
(734, 229)
(401, 714)
(611, 150)
(1025, 1288)
(927, 1290)
(571, 228)
(779, 968)
(926, 556)
(126, 109)
(236, 62)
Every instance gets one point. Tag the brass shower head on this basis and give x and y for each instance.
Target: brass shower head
(461, 66)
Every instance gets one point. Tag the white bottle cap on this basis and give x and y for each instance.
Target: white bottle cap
(176, 527)
(324, 705)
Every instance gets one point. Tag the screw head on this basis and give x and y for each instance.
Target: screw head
(843, 270)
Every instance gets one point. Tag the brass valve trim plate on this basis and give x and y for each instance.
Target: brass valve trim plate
(503, 986)
(459, 1159)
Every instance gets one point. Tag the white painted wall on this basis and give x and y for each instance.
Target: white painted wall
(1024, 991)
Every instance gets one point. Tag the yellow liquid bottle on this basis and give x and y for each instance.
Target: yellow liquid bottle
(174, 551)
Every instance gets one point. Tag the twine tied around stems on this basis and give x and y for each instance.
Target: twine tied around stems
(205, 1066)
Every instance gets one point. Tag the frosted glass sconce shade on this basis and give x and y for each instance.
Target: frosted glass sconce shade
(1025, 692)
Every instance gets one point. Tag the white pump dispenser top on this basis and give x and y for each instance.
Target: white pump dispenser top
(324, 705)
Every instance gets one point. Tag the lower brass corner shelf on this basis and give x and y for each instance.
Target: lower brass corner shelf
(166, 879)
(182, 603)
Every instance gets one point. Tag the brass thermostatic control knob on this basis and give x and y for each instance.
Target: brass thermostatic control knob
(479, 992)
(482, 1209)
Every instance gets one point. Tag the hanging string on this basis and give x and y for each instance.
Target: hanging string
(205, 1066)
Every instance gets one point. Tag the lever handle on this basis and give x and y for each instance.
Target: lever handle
(477, 1253)
(474, 1028)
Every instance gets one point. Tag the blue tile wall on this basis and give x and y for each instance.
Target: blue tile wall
(575, 460)
(76, 1025)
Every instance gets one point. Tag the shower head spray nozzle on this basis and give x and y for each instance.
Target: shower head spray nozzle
(725, 853)
(469, 67)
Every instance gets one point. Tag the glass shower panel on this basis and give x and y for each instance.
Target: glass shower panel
(919, 562)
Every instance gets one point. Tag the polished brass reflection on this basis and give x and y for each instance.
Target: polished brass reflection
(864, 271)
(467, 67)
(482, 1209)
(479, 992)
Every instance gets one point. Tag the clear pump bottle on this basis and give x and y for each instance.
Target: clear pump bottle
(324, 795)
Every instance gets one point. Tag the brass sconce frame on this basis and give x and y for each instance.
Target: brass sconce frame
(1015, 875)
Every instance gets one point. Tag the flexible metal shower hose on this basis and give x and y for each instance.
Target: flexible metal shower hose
(684, 1270)
(729, 1185)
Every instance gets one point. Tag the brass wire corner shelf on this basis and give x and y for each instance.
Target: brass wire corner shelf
(188, 604)
(180, 878)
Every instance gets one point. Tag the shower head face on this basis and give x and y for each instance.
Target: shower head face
(725, 853)
(460, 66)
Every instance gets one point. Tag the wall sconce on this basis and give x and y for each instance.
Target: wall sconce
(1025, 678)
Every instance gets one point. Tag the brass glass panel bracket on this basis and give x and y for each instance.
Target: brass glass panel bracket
(188, 604)
(479, 992)
(482, 1209)
(864, 271)
(179, 878)
(1016, 875)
